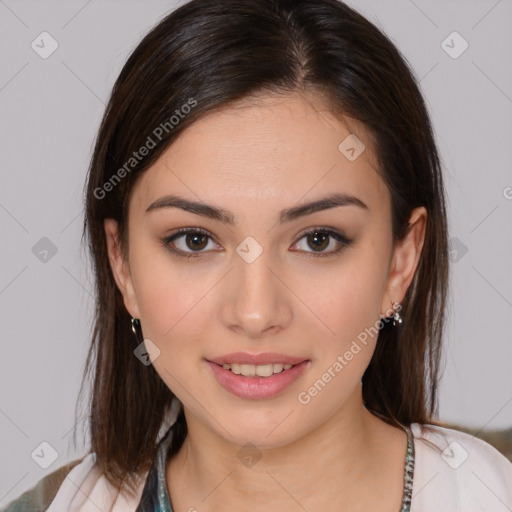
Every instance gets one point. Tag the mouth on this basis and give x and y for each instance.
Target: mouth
(264, 381)
(261, 370)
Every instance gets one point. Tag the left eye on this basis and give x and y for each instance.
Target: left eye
(196, 239)
(320, 238)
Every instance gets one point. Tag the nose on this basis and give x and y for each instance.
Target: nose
(257, 300)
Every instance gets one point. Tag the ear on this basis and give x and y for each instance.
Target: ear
(405, 260)
(120, 267)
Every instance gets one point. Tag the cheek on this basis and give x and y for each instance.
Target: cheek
(347, 307)
(344, 301)
(169, 296)
(173, 310)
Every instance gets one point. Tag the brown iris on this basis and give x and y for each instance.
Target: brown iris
(199, 241)
(318, 237)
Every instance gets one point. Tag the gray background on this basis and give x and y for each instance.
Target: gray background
(50, 111)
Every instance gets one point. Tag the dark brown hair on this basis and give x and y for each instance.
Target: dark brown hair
(208, 54)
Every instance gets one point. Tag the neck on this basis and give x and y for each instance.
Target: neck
(351, 449)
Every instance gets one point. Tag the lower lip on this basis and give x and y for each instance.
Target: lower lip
(257, 387)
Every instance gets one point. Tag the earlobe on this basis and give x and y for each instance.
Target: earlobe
(406, 258)
(120, 267)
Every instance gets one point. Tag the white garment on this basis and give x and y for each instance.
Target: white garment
(453, 471)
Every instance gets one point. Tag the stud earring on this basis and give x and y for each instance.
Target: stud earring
(397, 319)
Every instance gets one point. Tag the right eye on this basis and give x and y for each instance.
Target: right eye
(191, 238)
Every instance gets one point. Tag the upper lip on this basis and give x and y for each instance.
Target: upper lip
(256, 359)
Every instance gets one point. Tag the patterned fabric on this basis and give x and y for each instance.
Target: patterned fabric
(155, 497)
(38, 498)
(408, 472)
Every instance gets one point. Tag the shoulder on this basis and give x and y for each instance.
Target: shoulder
(76, 487)
(454, 470)
(39, 497)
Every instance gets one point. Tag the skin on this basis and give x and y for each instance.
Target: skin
(255, 159)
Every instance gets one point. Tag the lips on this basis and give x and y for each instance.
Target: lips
(256, 359)
(257, 387)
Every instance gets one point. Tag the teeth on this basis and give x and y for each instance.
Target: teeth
(262, 370)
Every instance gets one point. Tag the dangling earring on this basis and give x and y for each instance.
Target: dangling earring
(397, 319)
(136, 329)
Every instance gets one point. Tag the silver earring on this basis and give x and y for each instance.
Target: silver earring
(397, 319)
(136, 328)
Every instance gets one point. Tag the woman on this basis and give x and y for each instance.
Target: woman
(266, 216)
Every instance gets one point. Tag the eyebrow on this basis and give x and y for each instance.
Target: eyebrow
(225, 216)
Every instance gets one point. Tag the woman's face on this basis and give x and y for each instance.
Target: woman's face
(260, 283)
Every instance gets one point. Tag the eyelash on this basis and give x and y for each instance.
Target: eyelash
(341, 239)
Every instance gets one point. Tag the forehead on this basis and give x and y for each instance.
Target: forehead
(266, 153)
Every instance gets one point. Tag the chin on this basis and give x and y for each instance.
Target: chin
(263, 434)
